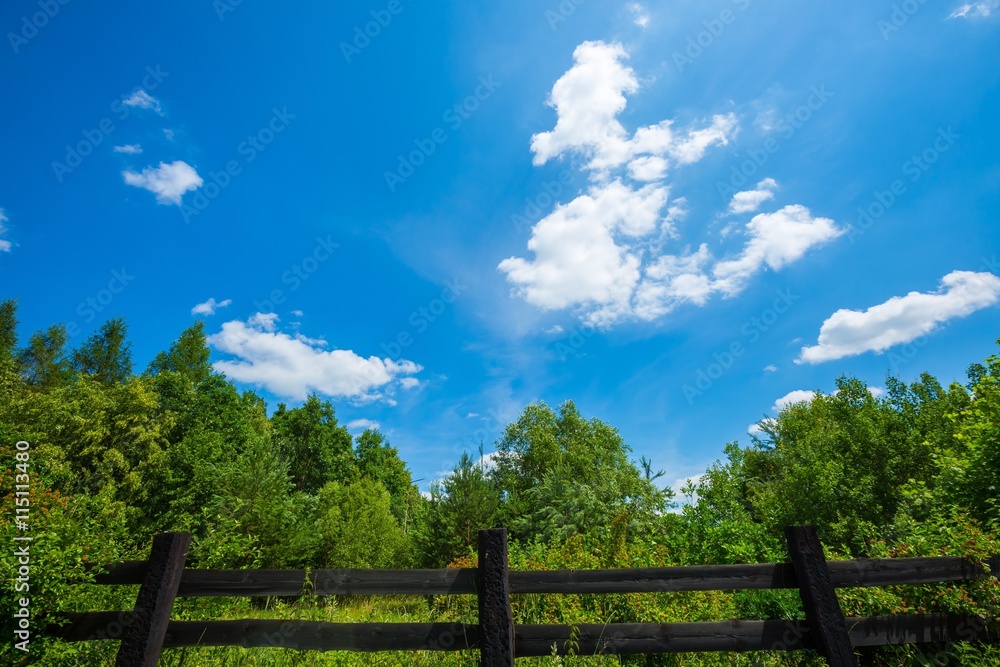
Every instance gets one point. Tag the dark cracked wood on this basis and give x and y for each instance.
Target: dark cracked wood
(827, 627)
(143, 640)
(496, 623)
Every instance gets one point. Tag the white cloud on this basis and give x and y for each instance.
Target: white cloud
(297, 313)
(791, 398)
(5, 245)
(293, 368)
(588, 99)
(577, 260)
(754, 429)
(770, 368)
(169, 134)
(168, 182)
(130, 149)
(902, 319)
(362, 425)
(604, 253)
(975, 9)
(647, 168)
(208, 307)
(776, 239)
(143, 100)
(800, 395)
(750, 200)
(639, 14)
(554, 330)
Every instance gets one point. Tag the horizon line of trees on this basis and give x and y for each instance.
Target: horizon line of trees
(117, 456)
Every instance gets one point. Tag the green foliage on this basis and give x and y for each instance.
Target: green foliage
(316, 447)
(562, 475)
(116, 457)
(106, 356)
(462, 504)
(357, 527)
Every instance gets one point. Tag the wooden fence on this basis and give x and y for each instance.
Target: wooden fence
(146, 630)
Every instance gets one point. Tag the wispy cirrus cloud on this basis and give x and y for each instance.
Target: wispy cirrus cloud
(5, 245)
(209, 307)
(142, 100)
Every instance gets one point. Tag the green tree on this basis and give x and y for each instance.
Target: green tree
(8, 331)
(563, 475)
(317, 448)
(357, 527)
(462, 504)
(188, 356)
(379, 461)
(43, 362)
(107, 354)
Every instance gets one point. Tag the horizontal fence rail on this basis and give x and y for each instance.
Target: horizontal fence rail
(497, 638)
(858, 573)
(535, 640)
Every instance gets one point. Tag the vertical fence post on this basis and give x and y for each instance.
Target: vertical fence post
(496, 624)
(143, 640)
(827, 626)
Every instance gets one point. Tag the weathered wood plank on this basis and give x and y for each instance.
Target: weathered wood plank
(143, 639)
(622, 638)
(849, 573)
(496, 623)
(827, 627)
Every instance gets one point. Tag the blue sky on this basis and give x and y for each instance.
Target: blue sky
(675, 214)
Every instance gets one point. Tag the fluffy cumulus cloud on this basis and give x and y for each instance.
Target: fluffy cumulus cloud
(791, 398)
(774, 240)
(902, 319)
(605, 253)
(975, 9)
(5, 245)
(749, 201)
(362, 425)
(142, 100)
(168, 182)
(209, 307)
(292, 366)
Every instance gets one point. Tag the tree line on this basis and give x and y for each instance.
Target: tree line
(119, 454)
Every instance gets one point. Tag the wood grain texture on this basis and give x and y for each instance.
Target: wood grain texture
(827, 627)
(143, 639)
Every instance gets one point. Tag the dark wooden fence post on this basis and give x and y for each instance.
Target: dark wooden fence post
(496, 624)
(826, 620)
(143, 640)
